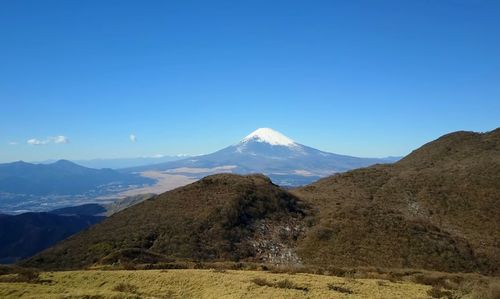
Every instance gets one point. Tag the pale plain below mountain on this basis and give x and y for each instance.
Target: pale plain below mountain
(266, 151)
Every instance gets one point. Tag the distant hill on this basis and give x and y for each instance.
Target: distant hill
(104, 209)
(438, 209)
(118, 163)
(23, 235)
(61, 178)
(218, 217)
(90, 209)
(266, 151)
(123, 203)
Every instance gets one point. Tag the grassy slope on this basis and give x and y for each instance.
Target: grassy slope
(435, 209)
(212, 219)
(203, 284)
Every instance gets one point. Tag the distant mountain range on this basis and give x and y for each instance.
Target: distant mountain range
(266, 151)
(61, 178)
(435, 209)
(45, 186)
(118, 163)
(89, 209)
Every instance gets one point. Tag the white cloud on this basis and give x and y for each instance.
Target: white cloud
(132, 138)
(34, 141)
(53, 139)
(12, 143)
(60, 139)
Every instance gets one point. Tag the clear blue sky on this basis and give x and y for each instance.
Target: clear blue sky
(365, 78)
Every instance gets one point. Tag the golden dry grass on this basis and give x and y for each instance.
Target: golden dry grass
(189, 283)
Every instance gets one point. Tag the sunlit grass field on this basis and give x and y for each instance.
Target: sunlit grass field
(190, 283)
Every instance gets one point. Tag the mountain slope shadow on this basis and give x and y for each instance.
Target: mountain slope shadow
(26, 234)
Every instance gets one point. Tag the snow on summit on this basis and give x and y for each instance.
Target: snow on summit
(269, 136)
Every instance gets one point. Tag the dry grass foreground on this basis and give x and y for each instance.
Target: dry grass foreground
(189, 283)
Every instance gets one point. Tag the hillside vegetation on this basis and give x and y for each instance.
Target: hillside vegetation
(437, 209)
(221, 217)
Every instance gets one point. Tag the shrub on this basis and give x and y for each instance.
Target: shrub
(437, 292)
(18, 274)
(288, 284)
(432, 279)
(129, 266)
(85, 297)
(125, 288)
(262, 282)
(26, 274)
(340, 289)
(282, 284)
(284, 269)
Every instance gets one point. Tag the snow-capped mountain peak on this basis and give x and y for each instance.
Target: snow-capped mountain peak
(269, 136)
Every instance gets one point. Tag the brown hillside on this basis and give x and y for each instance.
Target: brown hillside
(438, 208)
(220, 217)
